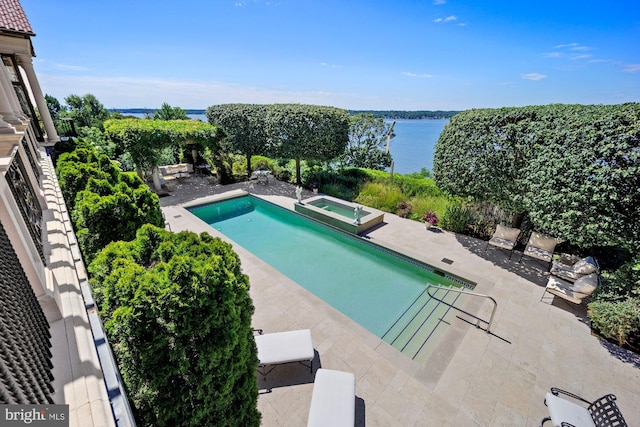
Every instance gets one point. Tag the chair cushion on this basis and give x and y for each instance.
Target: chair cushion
(585, 285)
(285, 347)
(563, 289)
(506, 233)
(585, 266)
(565, 411)
(333, 402)
(540, 241)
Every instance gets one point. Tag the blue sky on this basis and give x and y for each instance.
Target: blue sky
(354, 54)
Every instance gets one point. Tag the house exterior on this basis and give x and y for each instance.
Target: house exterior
(52, 348)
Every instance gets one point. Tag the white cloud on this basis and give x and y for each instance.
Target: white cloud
(533, 76)
(66, 67)
(326, 64)
(439, 2)
(553, 55)
(578, 56)
(125, 92)
(423, 76)
(447, 19)
(631, 68)
(564, 46)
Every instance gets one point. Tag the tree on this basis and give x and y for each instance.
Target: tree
(86, 111)
(54, 106)
(481, 154)
(177, 311)
(584, 179)
(167, 112)
(244, 125)
(144, 139)
(367, 143)
(575, 169)
(307, 132)
(105, 204)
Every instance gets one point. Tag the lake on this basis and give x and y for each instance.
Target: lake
(412, 148)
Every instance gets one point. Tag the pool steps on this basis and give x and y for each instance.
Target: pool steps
(418, 329)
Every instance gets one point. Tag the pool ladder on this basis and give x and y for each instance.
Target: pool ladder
(463, 292)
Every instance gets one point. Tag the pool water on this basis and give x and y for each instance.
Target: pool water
(370, 285)
(343, 210)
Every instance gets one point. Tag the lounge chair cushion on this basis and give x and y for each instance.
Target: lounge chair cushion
(505, 237)
(576, 270)
(285, 347)
(540, 247)
(565, 411)
(585, 266)
(570, 291)
(506, 233)
(333, 402)
(586, 284)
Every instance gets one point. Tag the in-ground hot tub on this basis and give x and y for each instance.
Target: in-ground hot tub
(340, 213)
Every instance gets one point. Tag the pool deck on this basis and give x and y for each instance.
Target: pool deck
(472, 378)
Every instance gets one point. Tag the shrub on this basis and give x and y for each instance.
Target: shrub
(380, 196)
(177, 310)
(619, 321)
(421, 204)
(457, 217)
(404, 209)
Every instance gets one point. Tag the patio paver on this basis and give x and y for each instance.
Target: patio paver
(472, 378)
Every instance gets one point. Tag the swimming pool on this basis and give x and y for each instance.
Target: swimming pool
(371, 285)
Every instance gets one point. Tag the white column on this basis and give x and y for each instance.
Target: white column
(16, 109)
(5, 111)
(27, 66)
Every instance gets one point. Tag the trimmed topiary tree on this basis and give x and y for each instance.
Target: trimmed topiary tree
(177, 311)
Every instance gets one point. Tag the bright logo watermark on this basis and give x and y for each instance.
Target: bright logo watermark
(34, 415)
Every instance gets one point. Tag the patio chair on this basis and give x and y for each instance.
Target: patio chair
(540, 247)
(504, 238)
(284, 347)
(571, 268)
(574, 292)
(565, 413)
(333, 402)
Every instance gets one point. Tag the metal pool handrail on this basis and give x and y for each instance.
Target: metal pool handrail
(462, 291)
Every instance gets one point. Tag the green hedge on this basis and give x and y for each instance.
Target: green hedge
(177, 312)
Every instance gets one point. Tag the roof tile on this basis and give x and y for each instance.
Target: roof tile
(13, 18)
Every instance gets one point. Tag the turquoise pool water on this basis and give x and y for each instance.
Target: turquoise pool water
(328, 205)
(370, 285)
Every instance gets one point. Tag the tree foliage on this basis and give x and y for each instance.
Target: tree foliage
(85, 111)
(145, 139)
(177, 311)
(367, 143)
(575, 169)
(307, 132)
(244, 127)
(167, 112)
(105, 204)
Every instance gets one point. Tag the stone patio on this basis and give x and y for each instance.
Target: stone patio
(472, 378)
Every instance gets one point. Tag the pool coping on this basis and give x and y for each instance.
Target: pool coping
(372, 218)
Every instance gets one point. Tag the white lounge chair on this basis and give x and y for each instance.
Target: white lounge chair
(284, 347)
(333, 402)
(563, 412)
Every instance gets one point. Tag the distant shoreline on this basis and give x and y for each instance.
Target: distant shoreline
(385, 114)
